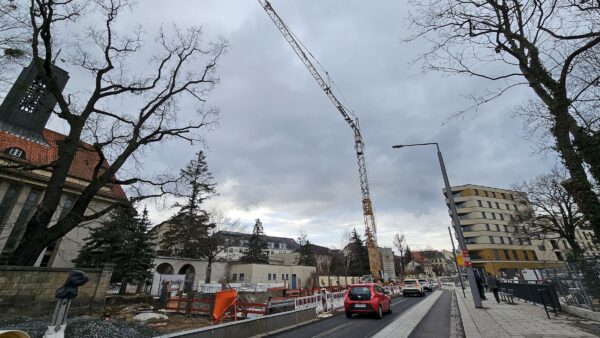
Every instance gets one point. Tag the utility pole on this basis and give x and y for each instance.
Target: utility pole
(456, 222)
(462, 286)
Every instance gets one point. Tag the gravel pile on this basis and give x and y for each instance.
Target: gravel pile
(80, 327)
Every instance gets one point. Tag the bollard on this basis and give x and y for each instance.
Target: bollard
(65, 294)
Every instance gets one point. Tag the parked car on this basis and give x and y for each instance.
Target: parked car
(412, 287)
(427, 286)
(367, 298)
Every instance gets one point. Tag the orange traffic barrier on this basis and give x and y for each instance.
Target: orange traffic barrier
(224, 300)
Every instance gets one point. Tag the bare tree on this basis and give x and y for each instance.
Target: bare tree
(549, 46)
(217, 242)
(547, 210)
(183, 67)
(14, 46)
(400, 245)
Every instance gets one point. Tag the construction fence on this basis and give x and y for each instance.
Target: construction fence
(577, 283)
(200, 304)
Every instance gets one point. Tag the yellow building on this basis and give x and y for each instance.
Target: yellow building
(494, 245)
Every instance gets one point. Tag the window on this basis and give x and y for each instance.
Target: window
(234, 277)
(477, 192)
(489, 204)
(497, 227)
(282, 276)
(497, 255)
(501, 217)
(242, 276)
(509, 240)
(479, 203)
(515, 254)
(287, 277)
(486, 193)
(19, 226)
(559, 256)
(541, 248)
(507, 206)
(8, 202)
(503, 196)
(487, 227)
(493, 215)
(491, 238)
(502, 240)
(497, 205)
(16, 152)
(483, 215)
(505, 228)
(507, 255)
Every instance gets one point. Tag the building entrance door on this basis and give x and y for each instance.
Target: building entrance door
(293, 281)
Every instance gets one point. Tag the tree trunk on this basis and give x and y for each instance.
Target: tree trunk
(123, 287)
(578, 186)
(31, 245)
(208, 271)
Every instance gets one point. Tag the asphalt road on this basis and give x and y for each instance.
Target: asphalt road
(358, 326)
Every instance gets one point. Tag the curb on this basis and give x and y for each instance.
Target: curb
(580, 312)
(469, 326)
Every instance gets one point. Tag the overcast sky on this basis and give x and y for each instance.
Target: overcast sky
(282, 152)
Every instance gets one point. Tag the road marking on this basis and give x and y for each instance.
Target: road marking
(323, 334)
(403, 325)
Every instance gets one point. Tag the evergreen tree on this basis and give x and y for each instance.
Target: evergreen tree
(188, 230)
(359, 256)
(256, 249)
(123, 239)
(407, 255)
(306, 250)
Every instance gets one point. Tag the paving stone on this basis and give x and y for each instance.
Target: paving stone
(521, 320)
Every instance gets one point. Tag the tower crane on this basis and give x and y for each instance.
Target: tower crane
(359, 146)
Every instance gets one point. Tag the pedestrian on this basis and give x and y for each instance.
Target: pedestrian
(479, 283)
(493, 284)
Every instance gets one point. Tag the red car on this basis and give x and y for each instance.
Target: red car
(367, 298)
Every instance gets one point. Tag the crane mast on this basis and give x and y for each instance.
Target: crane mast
(369, 217)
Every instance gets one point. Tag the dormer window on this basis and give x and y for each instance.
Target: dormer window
(16, 152)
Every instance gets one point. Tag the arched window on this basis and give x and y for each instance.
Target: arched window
(16, 152)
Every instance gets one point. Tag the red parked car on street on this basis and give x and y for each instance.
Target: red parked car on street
(367, 298)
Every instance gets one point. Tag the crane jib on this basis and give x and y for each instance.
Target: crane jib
(369, 218)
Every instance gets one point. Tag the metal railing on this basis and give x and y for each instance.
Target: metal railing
(543, 294)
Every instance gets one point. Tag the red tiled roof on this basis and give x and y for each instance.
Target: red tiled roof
(38, 154)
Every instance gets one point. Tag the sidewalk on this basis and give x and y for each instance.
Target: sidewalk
(519, 320)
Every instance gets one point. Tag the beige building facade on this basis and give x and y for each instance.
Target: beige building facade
(293, 276)
(494, 245)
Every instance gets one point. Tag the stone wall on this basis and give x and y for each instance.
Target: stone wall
(26, 290)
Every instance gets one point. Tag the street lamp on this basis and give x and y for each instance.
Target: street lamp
(455, 220)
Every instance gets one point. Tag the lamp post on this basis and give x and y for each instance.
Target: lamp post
(462, 286)
(455, 220)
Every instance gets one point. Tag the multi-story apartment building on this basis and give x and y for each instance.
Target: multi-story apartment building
(552, 247)
(494, 245)
(236, 243)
